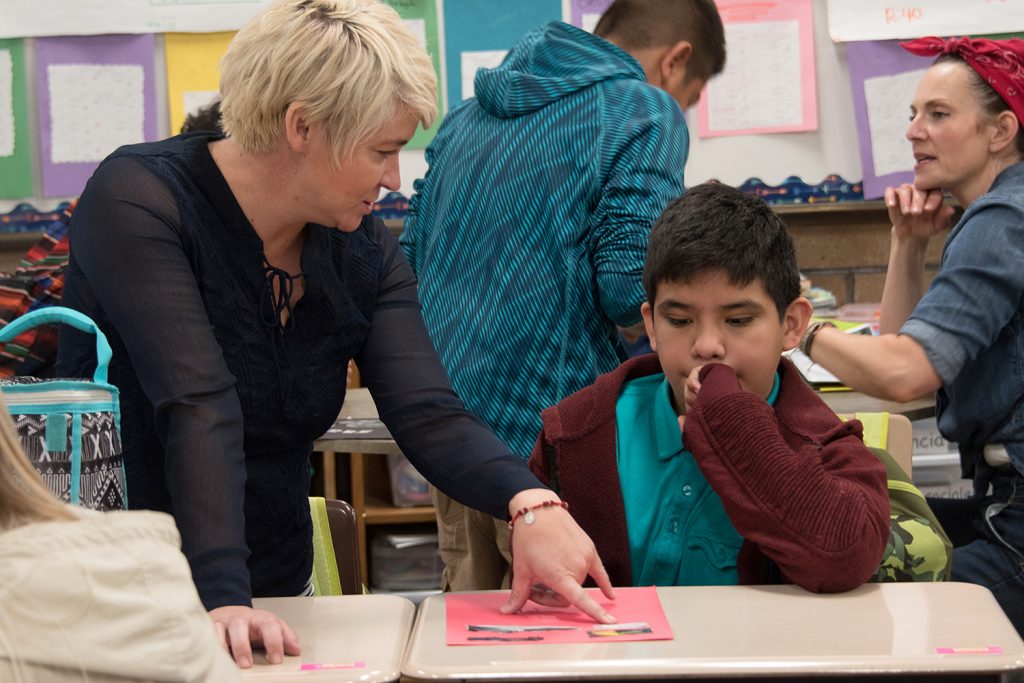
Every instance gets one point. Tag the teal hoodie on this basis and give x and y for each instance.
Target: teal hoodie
(529, 231)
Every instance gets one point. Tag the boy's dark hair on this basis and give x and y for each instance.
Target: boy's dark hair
(714, 227)
(205, 118)
(639, 24)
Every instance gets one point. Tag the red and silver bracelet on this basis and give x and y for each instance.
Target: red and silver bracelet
(527, 512)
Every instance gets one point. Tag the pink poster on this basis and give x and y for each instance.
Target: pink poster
(474, 619)
(768, 85)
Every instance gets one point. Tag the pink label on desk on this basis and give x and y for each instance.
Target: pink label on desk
(329, 667)
(474, 619)
(990, 650)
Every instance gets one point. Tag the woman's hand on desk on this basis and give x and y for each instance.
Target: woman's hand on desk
(551, 558)
(239, 628)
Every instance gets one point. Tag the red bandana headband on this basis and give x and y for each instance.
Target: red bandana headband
(999, 62)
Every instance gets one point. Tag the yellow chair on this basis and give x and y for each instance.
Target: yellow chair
(918, 548)
(335, 549)
(892, 433)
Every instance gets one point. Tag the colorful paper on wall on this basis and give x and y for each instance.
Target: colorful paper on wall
(421, 18)
(585, 13)
(95, 94)
(25, 18)
(474, 619)
(886, 20)
(488, 26)
(193, 77)
(15, 155)
(883, 77)
(768, 85)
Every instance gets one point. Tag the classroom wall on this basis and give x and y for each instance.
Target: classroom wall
(811, 155)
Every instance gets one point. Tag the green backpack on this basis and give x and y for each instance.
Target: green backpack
(918, 548)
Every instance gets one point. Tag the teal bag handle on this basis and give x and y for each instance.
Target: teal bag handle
(65, 316)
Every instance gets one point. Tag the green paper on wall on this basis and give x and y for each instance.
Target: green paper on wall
(15, 155)
(421, 17)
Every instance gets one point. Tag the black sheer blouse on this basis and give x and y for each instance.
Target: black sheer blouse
(219, 402)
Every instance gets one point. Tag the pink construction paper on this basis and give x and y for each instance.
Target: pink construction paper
(630, 605)
(801, 11)
(332, 667)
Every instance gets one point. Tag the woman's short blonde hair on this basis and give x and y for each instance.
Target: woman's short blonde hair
(23, 498)
(353, 64)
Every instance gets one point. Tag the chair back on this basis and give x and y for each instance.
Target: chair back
(892, 433)
(335, 548)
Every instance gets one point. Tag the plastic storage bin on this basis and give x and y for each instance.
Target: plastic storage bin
(408, 487)
(937, 463)
(405, 562)
(938, 476)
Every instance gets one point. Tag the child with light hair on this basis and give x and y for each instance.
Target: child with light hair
(93, 596)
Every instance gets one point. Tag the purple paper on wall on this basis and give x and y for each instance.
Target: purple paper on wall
(883, 77)
(95, 93)
(591, 9)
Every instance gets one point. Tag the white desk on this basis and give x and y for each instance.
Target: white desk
(879, 631)
(372, 629)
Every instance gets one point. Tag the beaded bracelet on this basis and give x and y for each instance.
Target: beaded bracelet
(805, 343)
(527, 512)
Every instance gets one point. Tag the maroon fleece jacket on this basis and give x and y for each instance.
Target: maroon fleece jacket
(798, 484)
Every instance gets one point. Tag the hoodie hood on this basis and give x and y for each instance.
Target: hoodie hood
(548, 64)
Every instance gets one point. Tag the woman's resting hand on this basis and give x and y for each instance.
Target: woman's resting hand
(239, 628)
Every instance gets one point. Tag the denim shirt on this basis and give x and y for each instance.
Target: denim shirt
(969, 323)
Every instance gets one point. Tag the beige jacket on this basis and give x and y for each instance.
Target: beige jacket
(106, 598)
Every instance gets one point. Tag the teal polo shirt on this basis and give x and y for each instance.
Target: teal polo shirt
(679, 534)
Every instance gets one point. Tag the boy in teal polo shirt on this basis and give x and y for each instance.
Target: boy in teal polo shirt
(766, 484)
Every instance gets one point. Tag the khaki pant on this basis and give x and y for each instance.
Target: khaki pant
(473, 545)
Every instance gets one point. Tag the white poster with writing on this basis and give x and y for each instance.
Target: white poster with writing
(887, 19)
(23, 18)
(473, 60)
(888, 118)
(768, 85)
(6, 104)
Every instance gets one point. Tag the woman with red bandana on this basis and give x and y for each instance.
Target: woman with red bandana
(963, 336)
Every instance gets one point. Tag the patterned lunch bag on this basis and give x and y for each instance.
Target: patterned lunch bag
(70, 428)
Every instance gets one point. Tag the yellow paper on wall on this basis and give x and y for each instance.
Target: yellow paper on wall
(193, 77)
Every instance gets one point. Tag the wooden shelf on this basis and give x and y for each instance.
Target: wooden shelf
(19, 240)
(370, 476)
(829, 207)
(389, 514)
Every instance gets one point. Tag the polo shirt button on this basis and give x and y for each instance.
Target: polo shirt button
(687, 490)
(674, 527)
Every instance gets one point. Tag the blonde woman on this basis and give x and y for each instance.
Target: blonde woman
(92, 596)
(235, 277)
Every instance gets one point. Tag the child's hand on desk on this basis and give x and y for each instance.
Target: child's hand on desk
(551, 557)
(239, 628)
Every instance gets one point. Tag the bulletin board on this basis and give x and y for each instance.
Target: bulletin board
(460, 35)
